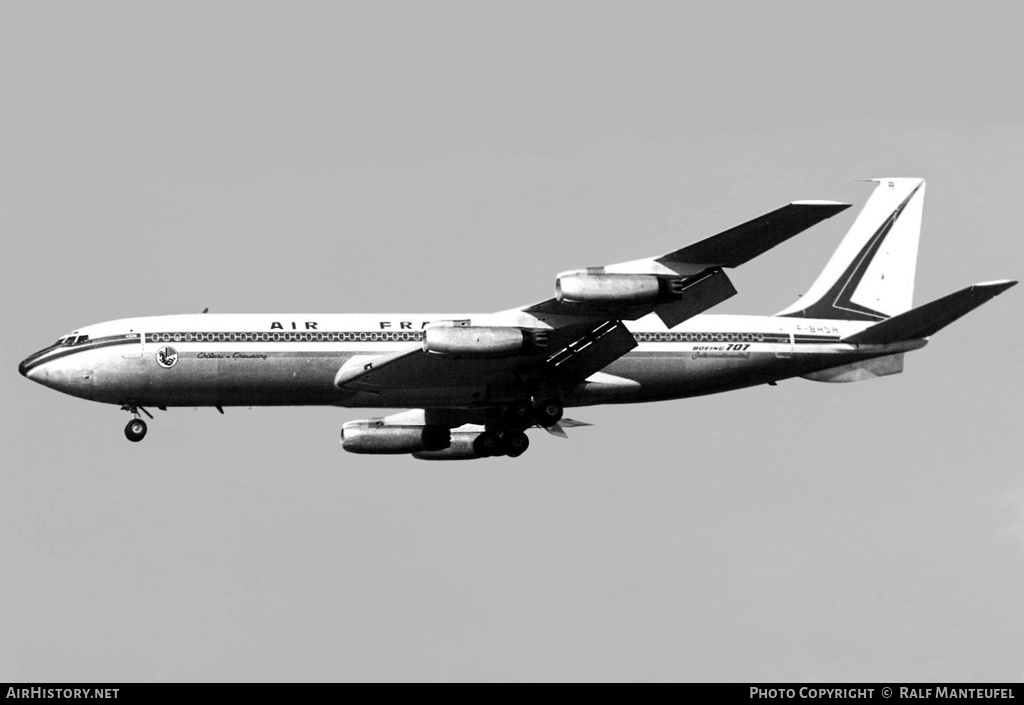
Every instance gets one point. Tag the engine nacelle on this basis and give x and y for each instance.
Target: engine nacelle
(480, 341)
(613, 289)
(461, 448)
(375, 438)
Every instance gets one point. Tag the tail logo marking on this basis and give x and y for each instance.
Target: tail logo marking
(841, 293)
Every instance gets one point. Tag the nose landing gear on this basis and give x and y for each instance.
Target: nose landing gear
(136, 429)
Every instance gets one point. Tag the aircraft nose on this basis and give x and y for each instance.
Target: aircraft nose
(29, 367)
(45, 372)
(25, 368)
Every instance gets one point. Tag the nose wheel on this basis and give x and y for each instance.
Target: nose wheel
(136, 429)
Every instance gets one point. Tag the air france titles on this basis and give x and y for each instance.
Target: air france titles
(401, 325)
(306, 325)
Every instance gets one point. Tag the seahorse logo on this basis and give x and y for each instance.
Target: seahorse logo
(166, 356)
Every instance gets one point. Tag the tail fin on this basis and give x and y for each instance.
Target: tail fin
(871, 275)
(929, 319)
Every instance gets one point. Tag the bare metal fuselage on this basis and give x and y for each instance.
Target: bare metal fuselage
(276, 359)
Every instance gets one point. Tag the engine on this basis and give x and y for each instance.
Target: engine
(461, 448)
(481, 341)
(612, 289)
(376, 438)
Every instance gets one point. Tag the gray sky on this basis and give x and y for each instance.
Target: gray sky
(456, 156)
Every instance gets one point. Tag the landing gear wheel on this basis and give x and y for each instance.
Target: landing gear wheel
(519, 415)
(135, 431)
(547, 412)
(487, 444)
(515, 443)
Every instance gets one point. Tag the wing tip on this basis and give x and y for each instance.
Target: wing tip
(813, 202)
(819, 208)
(1000, 285)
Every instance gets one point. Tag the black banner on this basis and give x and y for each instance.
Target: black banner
(880, 692)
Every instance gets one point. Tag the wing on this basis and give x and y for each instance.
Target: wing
(742, 243)
(558, 343)
(696, 270)
(418, 376)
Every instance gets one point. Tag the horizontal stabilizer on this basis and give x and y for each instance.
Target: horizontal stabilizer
(929, 319)
(860, 371)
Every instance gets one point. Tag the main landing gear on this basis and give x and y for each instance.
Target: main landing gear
(547, 412)
(136, 429)
(507, 442)
(504, 435)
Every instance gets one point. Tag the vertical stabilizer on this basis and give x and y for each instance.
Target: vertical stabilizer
(871, 276)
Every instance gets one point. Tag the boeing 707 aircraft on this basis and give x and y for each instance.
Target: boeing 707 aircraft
(475, 383)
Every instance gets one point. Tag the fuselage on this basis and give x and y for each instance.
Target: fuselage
(293, 359)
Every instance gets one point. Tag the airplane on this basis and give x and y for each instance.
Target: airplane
(475, 383)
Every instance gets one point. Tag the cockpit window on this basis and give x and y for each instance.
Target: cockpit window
(68, 340)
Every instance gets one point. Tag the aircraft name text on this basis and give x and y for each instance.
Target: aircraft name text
(738, 347)
(740, 355)
(232, 356)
